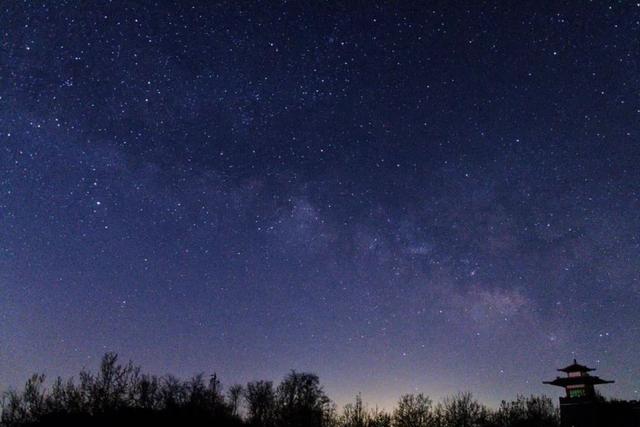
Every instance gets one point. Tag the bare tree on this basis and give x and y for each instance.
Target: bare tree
(261, 403)
(234, 397)
(301, 402)
(462, 410)
(378, 418)
(355, 414)
(26, 407)
(414, 410)
(533, 411)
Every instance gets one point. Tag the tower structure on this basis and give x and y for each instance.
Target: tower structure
(579, 407)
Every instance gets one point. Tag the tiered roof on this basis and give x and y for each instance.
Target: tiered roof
(585, 379)
(576, 367)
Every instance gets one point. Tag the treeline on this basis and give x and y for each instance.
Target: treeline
(121, 395)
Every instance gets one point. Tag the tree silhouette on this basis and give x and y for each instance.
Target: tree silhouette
(526, 412)
(261, 403)
(379, 418)
(414, 410)
(234, 397)
(117, 394)
(301, 402)
(355, 414)
(120, 394)
(462, 410)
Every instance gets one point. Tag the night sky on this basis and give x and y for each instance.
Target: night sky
(401, 196)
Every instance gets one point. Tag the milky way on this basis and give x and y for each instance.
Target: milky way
(399, 197)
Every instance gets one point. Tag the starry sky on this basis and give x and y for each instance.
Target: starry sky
(399, 196)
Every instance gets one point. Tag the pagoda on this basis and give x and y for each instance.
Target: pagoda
(580, 406)
(578, 383)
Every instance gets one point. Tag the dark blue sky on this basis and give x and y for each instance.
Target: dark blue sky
(400, 197)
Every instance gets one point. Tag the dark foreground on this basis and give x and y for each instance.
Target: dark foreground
(122, 395)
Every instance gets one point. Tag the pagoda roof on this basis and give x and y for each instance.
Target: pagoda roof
(576, 367)
(586, 379)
